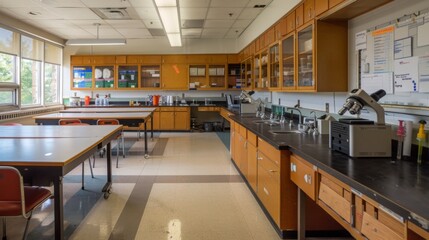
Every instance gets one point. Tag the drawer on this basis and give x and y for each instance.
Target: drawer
(252, 138)
(269, 166)
(271, 152)
(374, 229)
(167, 109)
(303, 175)
(243, 131)
(335, 201)
(269, 193)
(377, 215)
(181, 109)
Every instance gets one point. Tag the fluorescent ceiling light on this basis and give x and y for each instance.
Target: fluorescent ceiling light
(169, 14)
(175, 39)
(95, 42)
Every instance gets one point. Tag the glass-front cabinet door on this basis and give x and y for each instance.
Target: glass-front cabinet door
(217, 76)
(150, 76)
(246, 74)
(104, 76)
(82, 77)
(127, 76)
(257, 71)
(288, 64)
(274, 67)
(264, 70)
(305, 58)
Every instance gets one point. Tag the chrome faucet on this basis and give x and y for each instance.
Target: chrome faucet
(299, 119)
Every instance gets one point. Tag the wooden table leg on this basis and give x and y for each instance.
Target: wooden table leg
(301, 214)
(58, 208)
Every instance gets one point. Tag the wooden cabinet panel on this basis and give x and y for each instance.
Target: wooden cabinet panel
(272, 169)
(145, 59)
(299, 16)
(76, 60)
(269, 193)
(166, 120)
(280, 29)
(197, 59)
(269, 36)
(174, 76)
(335, 201)
(416, 233)
(155, 121)
(182, 120)
(252, 166)
(290, 22)
(252, 138)
(217, 59)
(308, 10)
(120, 59)
(271, 152)
(303, 175)
(320, 6)
(374, 229)
(333, 3)
(233, 58)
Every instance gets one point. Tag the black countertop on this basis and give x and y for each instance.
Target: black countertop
(401, 186)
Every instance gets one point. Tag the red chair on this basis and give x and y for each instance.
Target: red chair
(17, 199)
(77, 122)
(114, 122)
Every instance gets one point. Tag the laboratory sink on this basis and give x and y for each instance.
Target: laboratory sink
(269, 122)
(284, 131)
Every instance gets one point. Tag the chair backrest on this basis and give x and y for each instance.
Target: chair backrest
(107, 122)
(12, 190)
(11, 124)
(69, 122)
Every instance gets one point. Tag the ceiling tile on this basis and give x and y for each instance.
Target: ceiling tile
(89, 23)
(228, 3)
(214, 32)
(126, 23)
(218, 23)
(106, 3)
(71, 32)
(19, 3)
(60, 3)
(258, 2)
(193, 3)
(23, 13)
(223, 13)
(135, 32)
(142, 3)
(241, 23)
(44, 23)
(76, 13)
(249, 13)
(193, 13)
(234, 32)
(147, 13)
(192, 32)
(152, 23)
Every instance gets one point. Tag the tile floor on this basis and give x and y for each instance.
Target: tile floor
(188, 189)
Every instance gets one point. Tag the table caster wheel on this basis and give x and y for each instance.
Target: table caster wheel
(146, 156)
(107, 194)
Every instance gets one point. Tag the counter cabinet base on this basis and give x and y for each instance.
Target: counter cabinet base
(291, 234)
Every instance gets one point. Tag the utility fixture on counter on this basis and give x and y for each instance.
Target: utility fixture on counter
(97, 41)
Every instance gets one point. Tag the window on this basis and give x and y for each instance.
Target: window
(31, 70)
(53, 57)
(9, 45)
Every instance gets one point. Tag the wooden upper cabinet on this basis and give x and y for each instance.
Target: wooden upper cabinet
(280, 29)
(333, 3)
(174, 59)
(269, 36)
(320, 6)
(299, 16)
(308, 10)
(197, 58)
(233, 58)
(290, 22)
(150, 59)
(257, 48)
(76, 60)
(86, 60)
(217, 58)
(121, 59)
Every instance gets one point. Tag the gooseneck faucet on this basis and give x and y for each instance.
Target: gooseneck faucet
(291, 113)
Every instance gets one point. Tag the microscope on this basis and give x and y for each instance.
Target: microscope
(359, 137)
(247, 103)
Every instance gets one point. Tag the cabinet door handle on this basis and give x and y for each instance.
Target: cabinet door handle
(307, 178)
(266, 191)
(272, 171)
(292, 167)
(260, 158)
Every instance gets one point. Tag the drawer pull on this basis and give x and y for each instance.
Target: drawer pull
(292, 167)
(260, 158)
(272, 171)
(266, 191)
(307, 178)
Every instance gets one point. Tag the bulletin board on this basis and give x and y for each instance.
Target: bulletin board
(395, 57)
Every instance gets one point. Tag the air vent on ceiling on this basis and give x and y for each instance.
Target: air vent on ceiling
(156, 32)
(112, 13)
(259, 6)
(198, 23)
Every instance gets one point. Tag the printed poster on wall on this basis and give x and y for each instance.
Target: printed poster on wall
(383, 49)
(406, 76)
(424, 74)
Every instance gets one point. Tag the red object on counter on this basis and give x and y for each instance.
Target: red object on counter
(87, 100)
(156, 100)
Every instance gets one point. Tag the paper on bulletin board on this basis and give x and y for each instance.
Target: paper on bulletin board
(423, 35)
(383, 49)
(407, 74)
(374, 82)
(360, 40)
(424, 74)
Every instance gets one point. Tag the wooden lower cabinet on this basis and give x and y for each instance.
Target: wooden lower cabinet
(252, 162)
(155, 120)
(303, 175)
(174, 118)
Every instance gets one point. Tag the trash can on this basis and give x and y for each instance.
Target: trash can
(208, 127)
